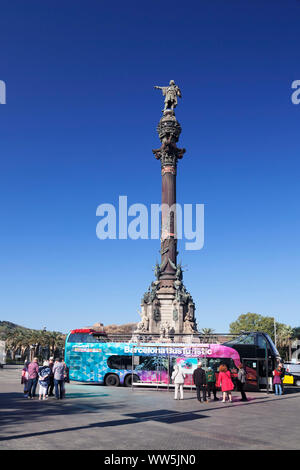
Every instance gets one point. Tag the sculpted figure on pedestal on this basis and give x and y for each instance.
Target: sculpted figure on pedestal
(188, 326)
(170, 92)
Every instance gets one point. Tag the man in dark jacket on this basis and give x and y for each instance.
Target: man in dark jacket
(199, 378)
(51, 378)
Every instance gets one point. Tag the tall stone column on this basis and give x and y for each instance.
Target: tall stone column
(167, 308)
(168, 154)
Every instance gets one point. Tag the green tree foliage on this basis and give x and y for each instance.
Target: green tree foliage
(296, 332)
(28, 342)
(256, 322)
(253, 322)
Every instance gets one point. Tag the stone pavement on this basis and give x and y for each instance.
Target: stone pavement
(98, 417)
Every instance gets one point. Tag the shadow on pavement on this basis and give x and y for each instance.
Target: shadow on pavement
(164, 416)
(15, 409)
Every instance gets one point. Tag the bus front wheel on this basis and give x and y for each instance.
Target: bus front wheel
(112, 380)
(128, 380)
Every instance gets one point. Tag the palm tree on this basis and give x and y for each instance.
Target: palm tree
(16, 341)
(21, 339)
(56, 340)
(284, 338)
(207, 334)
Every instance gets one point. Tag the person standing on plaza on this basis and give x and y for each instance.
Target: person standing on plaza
(66, 377)
(225, 382)
(59, 371)
(282, 374)
(178, 380)
(199, 378)
(241, 381)
(24, 378)
(51, 378)
(277, 380)
(44, 376)
(211, 383)
(33, 371)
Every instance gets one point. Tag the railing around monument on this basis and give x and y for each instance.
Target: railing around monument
(212, 338)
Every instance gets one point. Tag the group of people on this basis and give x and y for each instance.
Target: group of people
(206, 382)
(52, 375)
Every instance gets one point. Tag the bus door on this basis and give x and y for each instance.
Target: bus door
(256, 373)
(262, 379)
(251, 368)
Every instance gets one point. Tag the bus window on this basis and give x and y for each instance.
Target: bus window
(243, 339)
(215, 363)
(74, 357)
(120, 362)
(152, 363)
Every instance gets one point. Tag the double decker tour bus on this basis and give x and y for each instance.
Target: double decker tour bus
(90, 357)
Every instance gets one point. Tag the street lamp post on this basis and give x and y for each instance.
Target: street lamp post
(267, 365)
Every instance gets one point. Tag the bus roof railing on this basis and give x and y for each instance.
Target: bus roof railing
(147, 337)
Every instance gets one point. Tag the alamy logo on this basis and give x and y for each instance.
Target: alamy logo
(2, 92)
(181, 222)
(296, 95)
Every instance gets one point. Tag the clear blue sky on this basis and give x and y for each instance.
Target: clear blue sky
(78, 130)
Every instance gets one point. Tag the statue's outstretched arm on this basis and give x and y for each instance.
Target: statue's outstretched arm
(158, 87)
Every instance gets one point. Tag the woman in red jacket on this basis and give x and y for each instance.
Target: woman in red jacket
(225, 382)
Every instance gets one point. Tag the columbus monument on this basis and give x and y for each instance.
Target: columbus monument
(167, 308)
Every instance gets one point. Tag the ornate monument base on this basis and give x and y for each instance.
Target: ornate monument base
(167, 313)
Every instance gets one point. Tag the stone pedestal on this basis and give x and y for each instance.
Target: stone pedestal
(167, 313)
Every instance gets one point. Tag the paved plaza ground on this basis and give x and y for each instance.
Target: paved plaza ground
(98, 417)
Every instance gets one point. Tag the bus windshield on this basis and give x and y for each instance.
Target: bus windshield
(80, 337)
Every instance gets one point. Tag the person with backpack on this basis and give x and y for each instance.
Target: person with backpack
(44, 378)
(211, 383)
(178, 380)
(241, 381)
